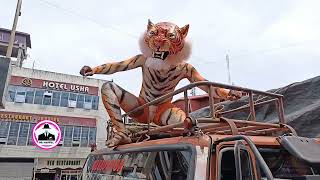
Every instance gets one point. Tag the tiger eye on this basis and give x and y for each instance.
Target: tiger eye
(171, 35)
(151, 33)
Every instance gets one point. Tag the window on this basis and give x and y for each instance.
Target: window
(72, 100)
(64, 99)
(4, 128)
(95, 102)
(92, 136)
(284, 165)
(20, 96)
(30, 95)
(88, 102)
(13, 133)
(80, 101)
(84, 136)
(47, 96)
(73, 97)
(227, 168)
(55, 98)
(159, 165)
(11, 93)
(62, 135)
(38, 96)
(30, 134)
(68, 136)
(76, 136)
(23, 134)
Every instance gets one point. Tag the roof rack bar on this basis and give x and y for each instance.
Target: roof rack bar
(266, 131)
(219, 128)
(247, 106)
(201, 83)
(186, 102)
(251, 104)
(215, 125)
(255, 123)
(247, 128)
(280, 109)
(211, 102)
(208, 120)
(161, 128)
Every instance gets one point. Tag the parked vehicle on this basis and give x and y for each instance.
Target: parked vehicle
(214, 147)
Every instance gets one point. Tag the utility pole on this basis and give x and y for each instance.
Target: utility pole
(228, 67)
(14, 27)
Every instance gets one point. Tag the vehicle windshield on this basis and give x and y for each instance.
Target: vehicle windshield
(138, 165)
(284, 165)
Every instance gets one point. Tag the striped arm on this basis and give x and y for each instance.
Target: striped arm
(110, 68)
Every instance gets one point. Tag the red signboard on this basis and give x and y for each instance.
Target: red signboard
(53, 85)
(61, 120)
(108, 165)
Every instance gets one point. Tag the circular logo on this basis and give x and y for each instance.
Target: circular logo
(26, 82)
(46, 134)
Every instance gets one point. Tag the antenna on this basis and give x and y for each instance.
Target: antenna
(228, 68)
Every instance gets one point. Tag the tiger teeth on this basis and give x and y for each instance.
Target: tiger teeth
(160, 54)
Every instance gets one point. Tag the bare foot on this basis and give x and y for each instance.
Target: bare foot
(118, 139)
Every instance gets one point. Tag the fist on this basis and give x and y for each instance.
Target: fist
(234, 95)
(86, 71)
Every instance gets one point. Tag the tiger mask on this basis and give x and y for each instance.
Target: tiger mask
(165, 45)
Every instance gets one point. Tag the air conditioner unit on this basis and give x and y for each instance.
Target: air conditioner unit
(87, 105)
(75, 143)
(3, 140)
(72, 103)
(48, 94)
(20, 98)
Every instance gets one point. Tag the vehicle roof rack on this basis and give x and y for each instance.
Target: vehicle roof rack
(216, 123)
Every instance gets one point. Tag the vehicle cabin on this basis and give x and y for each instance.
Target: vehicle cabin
(214, 147)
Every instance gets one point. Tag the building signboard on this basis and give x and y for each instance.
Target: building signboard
(53, 85)
(48, 163)
(62, 120)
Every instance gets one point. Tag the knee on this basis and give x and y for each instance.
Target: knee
(107, 86)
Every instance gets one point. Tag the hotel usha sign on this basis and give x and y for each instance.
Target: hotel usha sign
(66, 87)
(53, 85)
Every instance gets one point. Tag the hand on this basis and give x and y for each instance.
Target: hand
(86, 71)
(234, 95)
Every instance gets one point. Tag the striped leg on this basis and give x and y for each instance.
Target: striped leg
(172, 116)
(114, 98)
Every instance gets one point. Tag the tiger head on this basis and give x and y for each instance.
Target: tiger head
(165, 41)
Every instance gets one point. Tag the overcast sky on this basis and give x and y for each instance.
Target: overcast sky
(270, 43)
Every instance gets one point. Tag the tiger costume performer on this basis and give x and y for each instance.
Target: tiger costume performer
(163, 61)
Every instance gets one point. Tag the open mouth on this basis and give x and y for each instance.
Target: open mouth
(160, 54)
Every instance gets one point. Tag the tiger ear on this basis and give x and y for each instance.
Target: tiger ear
(150, 24)
(184, 30)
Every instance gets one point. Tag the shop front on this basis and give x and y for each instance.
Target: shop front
(58, 169)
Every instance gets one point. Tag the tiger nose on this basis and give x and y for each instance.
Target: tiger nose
(158, 42)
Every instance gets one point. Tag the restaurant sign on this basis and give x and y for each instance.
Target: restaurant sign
(34, 118)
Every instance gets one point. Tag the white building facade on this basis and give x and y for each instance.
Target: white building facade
(73, 102)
